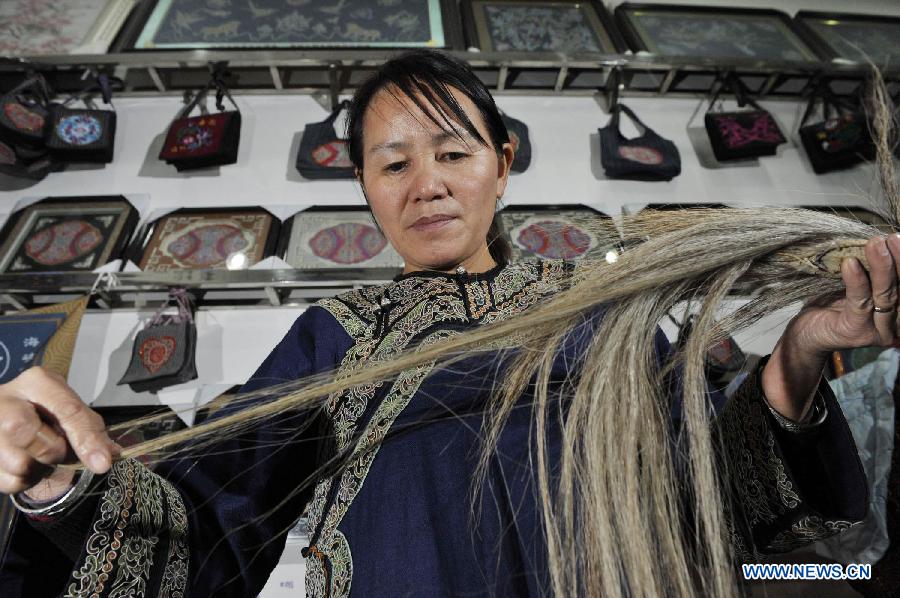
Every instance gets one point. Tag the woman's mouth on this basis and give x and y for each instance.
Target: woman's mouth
(429, 223)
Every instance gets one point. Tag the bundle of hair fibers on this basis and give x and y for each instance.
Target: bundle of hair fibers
(613, 511)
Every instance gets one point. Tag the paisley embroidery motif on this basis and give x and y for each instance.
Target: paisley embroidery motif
(348, 243)
(23, 118)
(155, 352)
(207, 246)
(63, 242)
(79, 129)
(554, 239)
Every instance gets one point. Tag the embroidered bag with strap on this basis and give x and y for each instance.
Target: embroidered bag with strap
(743, 133)
(164, 351)
(205, 140)
(841, 140)
(322, 154)
(647, 157)
(83, 134)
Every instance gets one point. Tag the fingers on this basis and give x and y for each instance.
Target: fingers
(858, 306)
(883, 274)
(83, 428)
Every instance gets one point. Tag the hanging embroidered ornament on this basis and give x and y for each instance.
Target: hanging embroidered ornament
(743, 133)
(322, 154)
(164, 351)
(647, 157)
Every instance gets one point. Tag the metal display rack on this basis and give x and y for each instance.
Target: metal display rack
(329, 74)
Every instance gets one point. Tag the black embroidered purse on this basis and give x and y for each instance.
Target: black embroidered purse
(322, 154)
(743, 133)
(841, 140)
(521, 142)
(24, 113)
(164, 351)
(647, 157)
(206, 140)
(83, 134)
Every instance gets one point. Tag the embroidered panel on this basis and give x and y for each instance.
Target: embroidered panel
(725, 33)
(430, 308)
(292, 24)
(71, 235)
(337, 239)
(208, 240)
(141, 521)
(42, 27)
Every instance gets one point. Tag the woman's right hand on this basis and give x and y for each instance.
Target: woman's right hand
(44, 423)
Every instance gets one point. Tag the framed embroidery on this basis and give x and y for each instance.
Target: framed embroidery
(550, 232)
(540, 26)
(852, 37)
(186, 24)
(325, 238)
(204, 239)
(706, 32)
(47, 27)
(74, 234)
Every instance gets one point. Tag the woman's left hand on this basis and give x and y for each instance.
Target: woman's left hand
(865, 316)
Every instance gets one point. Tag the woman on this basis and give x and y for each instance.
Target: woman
(394, 463)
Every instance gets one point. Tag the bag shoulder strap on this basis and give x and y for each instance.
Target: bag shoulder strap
(614, 121)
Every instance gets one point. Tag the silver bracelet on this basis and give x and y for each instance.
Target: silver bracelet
(59, 505)
(817, 414)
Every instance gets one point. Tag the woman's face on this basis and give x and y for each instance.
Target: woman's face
(433, 194)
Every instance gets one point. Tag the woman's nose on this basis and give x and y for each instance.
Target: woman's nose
(429, 182)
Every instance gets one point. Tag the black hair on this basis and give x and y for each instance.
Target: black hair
(430, 74)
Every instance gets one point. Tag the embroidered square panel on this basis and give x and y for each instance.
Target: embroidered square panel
(337, 239)
(712, 32)
(529, 26)
(860, 38)
(43, 27)
(227, 239)
(293, 24)
(564, 233)
(66, 235)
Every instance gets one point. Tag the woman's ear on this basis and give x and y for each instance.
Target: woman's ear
(504, 163)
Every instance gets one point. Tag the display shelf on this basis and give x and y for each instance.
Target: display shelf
(22, 291)
(333, 72)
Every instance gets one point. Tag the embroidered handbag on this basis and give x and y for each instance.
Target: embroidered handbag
(647, 157)
(518, 137)
(206, 140)
(838, 142)
(164, 351)
(24, 113)
(83, 134)
(37, 166)
(322, 154)
(742, 133)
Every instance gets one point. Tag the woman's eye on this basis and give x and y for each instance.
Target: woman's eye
(454, 156)
(395, 166)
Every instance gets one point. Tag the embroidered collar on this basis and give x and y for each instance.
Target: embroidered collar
(464, 276)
